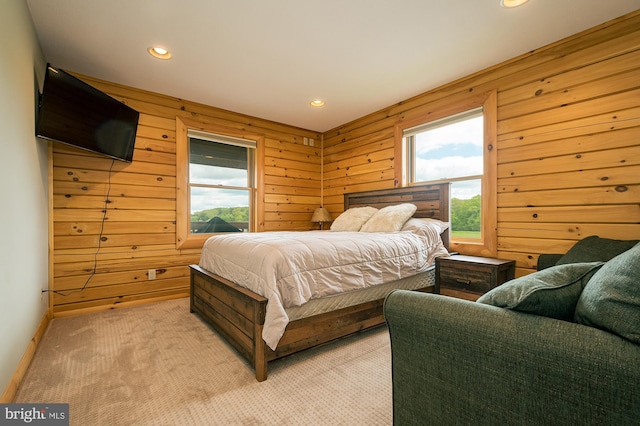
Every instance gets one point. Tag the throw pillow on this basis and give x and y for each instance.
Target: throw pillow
(611, 299)
(595, 249)
(390, 218)
(552, 292)
(353, 219)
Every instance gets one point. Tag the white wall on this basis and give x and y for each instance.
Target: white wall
(23, 189)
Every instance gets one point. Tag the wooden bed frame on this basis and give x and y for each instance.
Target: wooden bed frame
(238, 313)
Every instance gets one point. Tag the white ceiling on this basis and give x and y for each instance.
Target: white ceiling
(270, 58)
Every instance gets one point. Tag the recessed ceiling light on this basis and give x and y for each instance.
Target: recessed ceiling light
(317, 103)
(512, 3)
(159, 52)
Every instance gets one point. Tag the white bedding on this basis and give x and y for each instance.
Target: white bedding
(290, 268)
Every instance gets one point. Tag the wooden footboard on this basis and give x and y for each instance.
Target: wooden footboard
(238, 315)
(233, 311)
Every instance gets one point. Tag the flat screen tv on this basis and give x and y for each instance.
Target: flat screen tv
(75, 113)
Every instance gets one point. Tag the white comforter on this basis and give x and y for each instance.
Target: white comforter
(289, 268)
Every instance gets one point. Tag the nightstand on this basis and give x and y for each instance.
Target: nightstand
(468, 277)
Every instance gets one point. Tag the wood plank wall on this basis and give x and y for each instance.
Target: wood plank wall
(139, 230)
(568, 142)
(568, 167)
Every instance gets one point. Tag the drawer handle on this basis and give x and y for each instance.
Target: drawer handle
(465, 282)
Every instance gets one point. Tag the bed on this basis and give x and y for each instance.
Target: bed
(239, 314)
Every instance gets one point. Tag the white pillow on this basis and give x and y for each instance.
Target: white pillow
(390, 218)
(353, 219)
(429, 229)
(417, 225)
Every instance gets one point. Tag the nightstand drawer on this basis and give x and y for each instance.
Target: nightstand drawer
(472, 275)
(468, 279)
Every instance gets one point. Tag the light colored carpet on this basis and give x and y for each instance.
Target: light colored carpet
(158, 364)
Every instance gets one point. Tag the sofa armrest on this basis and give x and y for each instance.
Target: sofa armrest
(460, 362)
(547, 260)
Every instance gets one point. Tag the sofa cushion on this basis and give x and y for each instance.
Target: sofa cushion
(611, 299)
(547, 260)
(552, 292)
(595, 249)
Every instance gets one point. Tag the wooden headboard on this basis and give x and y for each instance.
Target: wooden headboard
(432, 201)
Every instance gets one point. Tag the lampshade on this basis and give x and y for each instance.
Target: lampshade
(321, 215)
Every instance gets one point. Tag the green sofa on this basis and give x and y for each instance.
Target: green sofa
(565, 353)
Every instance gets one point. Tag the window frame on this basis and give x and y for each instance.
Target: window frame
(184, 238)
(487, 246)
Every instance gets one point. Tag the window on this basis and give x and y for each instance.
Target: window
(216, 176)
(450, 150)
(220, 183)
(456, 146)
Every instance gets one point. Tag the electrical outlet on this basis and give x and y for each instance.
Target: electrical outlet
(41, 294)
(311, 142)
(152, 274)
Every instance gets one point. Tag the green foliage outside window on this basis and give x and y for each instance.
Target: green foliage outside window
(228, 214)
(465, 217)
